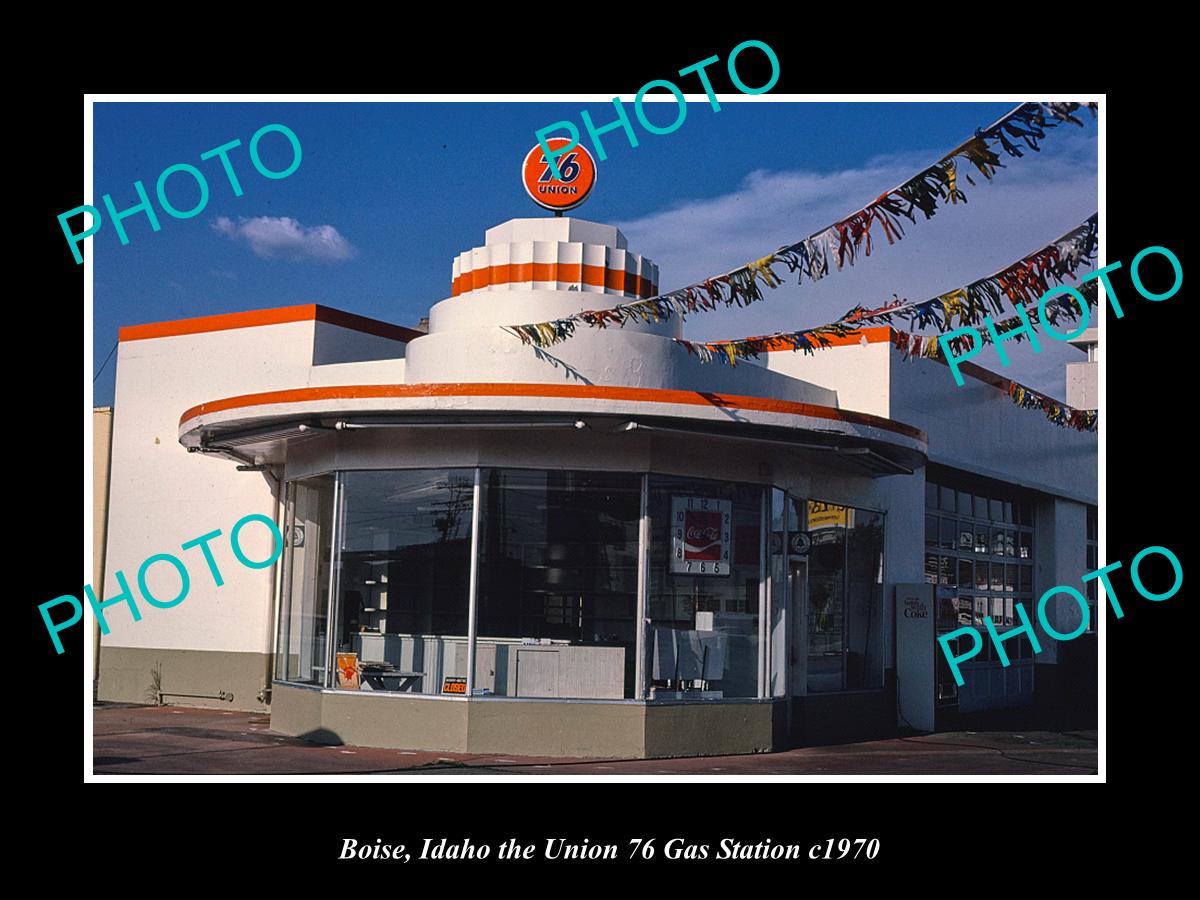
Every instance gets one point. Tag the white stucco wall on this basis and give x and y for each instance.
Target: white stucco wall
(858, 373)
(607, 357)
(161, 496)
(978, 428)
(1060, 558)
(1083, 385)
(334, 344)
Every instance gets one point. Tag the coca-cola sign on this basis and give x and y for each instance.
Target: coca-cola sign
(700, 535)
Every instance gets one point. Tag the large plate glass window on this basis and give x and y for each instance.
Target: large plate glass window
(557, 594)
(405, 564)
(703, 638)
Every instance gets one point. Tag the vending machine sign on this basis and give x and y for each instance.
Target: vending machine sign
(348, 672)
(700, 535)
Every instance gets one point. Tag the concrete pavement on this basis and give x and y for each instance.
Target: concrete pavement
(140, 740)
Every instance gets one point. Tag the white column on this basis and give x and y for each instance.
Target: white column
(643, 589)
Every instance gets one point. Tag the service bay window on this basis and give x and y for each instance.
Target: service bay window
(979, 551)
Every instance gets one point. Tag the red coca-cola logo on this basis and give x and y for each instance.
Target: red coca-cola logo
(702, 535)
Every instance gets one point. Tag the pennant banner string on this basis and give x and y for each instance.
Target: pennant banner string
(929, 347)
(1058, 413)
(839, 244)
(1019, 283)
(932, 346)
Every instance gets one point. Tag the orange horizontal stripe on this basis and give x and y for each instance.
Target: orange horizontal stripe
(874, 335)
(570, 391)
(879, 334)
(568, 273)
(259, 317)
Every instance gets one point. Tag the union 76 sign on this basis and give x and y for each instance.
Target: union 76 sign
(700, 535)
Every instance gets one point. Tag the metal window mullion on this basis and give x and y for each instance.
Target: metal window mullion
(845, 595)
(335, 557)
(473, 589)
(806, 607)
(283, 615)
(786, 616)
(764, 574)
(643, 589)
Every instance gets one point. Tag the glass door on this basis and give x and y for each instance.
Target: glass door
(826, 595)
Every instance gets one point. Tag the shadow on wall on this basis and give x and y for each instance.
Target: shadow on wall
(569, 371)
(716, 401)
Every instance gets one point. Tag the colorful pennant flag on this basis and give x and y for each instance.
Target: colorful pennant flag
(842, 242)
(1058, 413)
(1058, 308)
(929, 347)
(1022, 282)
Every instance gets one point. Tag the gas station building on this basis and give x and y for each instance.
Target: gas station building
(605, 548)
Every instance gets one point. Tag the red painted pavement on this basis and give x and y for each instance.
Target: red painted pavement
(142, 740)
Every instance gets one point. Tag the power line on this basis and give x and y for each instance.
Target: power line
(105, 363)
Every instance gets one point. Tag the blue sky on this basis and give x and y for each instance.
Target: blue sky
(388, 193)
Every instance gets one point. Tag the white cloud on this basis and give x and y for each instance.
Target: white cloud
(280, 236)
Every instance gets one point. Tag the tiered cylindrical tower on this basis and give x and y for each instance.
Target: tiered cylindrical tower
(537, 270)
